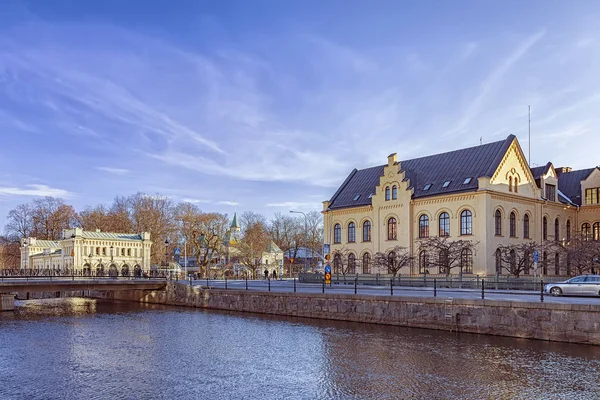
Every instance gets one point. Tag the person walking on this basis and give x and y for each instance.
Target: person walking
(266, 274)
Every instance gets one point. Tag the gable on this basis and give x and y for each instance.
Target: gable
(514, 167)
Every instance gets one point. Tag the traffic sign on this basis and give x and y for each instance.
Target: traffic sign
(536, 256)
(177, 251)
(326, 248)
(328, 269)
(327, 278)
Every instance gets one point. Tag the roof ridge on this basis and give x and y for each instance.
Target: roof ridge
(343, 185)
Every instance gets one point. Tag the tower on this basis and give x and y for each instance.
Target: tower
(235, 230)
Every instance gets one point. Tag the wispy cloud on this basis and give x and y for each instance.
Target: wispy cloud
(114, 171)
(228, 203)
(34, 191)
(195, 201)
(292, 204)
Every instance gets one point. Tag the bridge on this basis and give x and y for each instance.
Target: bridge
(32, 284)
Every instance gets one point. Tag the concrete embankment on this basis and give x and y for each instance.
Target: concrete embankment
(574, 323)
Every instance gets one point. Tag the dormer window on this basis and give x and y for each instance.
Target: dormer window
(370, 195)
(591, 196)
(427, 187)
(446, 184)
(356, 197)
(550, 192)
(467, 181)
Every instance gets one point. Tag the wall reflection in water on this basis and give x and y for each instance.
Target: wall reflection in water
(79, 348)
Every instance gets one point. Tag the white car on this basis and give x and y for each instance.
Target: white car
(584, 285)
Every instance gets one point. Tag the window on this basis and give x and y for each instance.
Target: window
(550, 192)
(97, 251)
(391, 225)
(467, 181)
(391, 262)
(394, 192)
(526, 226)
(586, 231)
(545, 263)
(569, 264)
(516, 183)
(387, 193)
(513, 261)
(556, 264)
(556, 230)
(466, 261)
(545, 229)
(444, 224)
(592, 196)
(466, 223)
(423, 226)
(367, 231)
(510, 183)
(366, 263)
(351, 263)
(337, 263)
(498, 222)
(444, 261)
(446, 184)
(356, 197)
(337, 233)
(568, 230)
(427, 187)
(498, 262)
(513, 225)
(129, 252)
(423, 263)
(526, 261)
(596, 230)
(351, 232)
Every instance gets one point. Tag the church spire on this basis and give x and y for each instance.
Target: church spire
(234, 223)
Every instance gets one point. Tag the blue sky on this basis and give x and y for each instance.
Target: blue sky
(272, 103)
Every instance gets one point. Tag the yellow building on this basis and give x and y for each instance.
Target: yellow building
(96, 253)
(487, 194)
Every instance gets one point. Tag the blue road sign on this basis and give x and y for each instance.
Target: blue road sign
(325, 249)
(177, 251)
(328, 269)
(536, 256)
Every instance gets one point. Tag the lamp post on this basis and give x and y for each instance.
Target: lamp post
(167, 255)
(305, 236)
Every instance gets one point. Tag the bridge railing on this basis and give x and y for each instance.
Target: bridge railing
(72, 274)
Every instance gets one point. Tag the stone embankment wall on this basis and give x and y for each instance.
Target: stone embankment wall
(575, 323)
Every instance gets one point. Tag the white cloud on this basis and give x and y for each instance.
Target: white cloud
(195, 201)
(227, 203)
(114, 171)
(293, 204)
(34, 190)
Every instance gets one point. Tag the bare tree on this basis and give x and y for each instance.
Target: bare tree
(581, 253)
(517, 259)
(252, 245)
(211, 229)
(398, 258)
(447, 254)
(20, 221)
(10, 253)
(50, 217)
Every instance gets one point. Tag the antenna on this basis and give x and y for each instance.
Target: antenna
(480, 140)
(529, 107)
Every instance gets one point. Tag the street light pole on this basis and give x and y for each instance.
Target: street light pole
(305, 236)
(167, 255)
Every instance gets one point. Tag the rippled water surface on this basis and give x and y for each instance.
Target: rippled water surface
(86, 349)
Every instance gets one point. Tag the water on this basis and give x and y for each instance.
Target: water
(87, 349)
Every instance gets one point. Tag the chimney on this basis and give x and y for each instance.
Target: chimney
(392, 159)
(563, 170)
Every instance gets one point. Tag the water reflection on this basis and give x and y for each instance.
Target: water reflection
(76, 348)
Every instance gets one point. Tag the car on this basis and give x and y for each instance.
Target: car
(584, 285)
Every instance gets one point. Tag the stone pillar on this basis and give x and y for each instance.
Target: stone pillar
(7, 303)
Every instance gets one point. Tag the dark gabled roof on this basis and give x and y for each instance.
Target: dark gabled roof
(570, 183)
(454, 166)
(537, 172)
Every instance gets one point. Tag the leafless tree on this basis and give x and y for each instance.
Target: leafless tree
(581, 253)
(447, 254)
(516, 259)
(393, 261)
(254, 242)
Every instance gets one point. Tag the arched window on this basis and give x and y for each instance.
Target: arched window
(556, 230)
(596, 231)
(391, 229)
(444, 261)
(498, 262)
(568, 264)
(351, 263)
(337, 233)
(351, 232)
(366, 263)
(367, 231)
(526, 226)
(526, 261)
(391, 262)
(466, 223)
(556, 264)
(516, 183)
(444, 224)
(568, 230)
(423, 226)
(337, 263)
(545, 263)
(387, 193)
(510, 183)
(423, 262)
(545, 229)
(394, 192)
(586, 231)
(466, 261)
(498, 222)
(513, 261)
(513, 225)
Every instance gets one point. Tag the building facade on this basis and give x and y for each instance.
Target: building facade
(89, 253)
(486, 194)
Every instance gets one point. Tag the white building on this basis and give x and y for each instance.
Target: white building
(89, 253)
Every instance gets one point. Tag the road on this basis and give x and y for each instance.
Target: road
(287, 286)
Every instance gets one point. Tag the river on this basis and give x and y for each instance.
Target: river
(88, 349)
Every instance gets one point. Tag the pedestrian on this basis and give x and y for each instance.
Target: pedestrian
(274, 274)
(266, 274)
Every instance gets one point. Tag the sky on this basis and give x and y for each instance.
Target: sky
(268, 105)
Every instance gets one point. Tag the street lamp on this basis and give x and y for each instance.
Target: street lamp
(305, 236)
(167, 254)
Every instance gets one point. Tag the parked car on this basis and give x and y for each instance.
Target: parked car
(584, 285)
